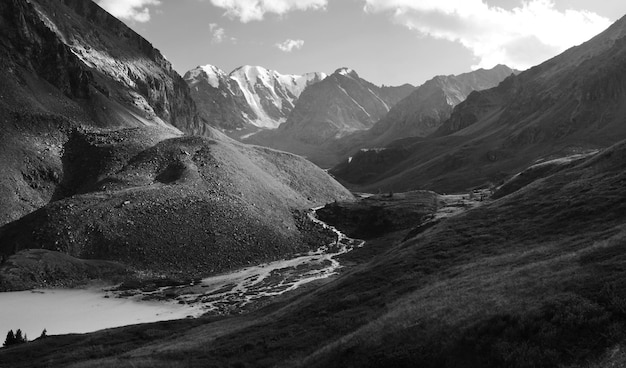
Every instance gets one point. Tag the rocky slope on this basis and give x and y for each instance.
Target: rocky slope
(91, 154)
(218, 204)
(340, 104)
(570, 104)
(248, 97)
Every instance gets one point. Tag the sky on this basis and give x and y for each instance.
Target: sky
(388, 42)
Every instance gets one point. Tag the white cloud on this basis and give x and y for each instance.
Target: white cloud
(248, 10)
(289, 45)
(218, 34)
(520, 38)
(136, 10)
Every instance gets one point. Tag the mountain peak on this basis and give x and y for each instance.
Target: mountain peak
(348, 72)
(251, 72)
(210, 73)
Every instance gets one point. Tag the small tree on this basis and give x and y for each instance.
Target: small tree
(10, 340)
(44, 334)
(18, 336)
(14, 339)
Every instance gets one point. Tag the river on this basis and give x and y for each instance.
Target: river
(62, 311)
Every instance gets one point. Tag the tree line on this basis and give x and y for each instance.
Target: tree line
(19, 338)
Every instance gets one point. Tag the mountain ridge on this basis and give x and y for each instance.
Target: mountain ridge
(424, 110)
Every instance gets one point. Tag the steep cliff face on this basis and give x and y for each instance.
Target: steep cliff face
(247, 98)
(94, 58)
(65, 63)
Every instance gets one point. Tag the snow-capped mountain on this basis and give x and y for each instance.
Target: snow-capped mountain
(249, 95)
(341, 104)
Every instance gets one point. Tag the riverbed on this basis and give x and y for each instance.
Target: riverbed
(62, 311)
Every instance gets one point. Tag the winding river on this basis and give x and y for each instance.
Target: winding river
(62, 311)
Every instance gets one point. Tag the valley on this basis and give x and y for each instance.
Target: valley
(261, 219)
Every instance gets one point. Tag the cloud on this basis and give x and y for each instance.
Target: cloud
(249, 10)
(289, 45)
(520, 38)
(136, 10)
(218, 34)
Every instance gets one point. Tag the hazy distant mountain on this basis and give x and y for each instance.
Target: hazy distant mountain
(572, 103)
(340, 104)
(248, 96)
(424, 110)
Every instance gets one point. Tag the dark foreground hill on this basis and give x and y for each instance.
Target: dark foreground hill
(572, 103)
(94, 163)
(534, 279)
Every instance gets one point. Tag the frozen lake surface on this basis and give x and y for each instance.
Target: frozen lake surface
(62, 311)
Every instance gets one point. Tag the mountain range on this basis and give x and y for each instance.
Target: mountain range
(323, 118)
(247, 98)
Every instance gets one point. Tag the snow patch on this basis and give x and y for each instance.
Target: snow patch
(345, 72)
(353, 100)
